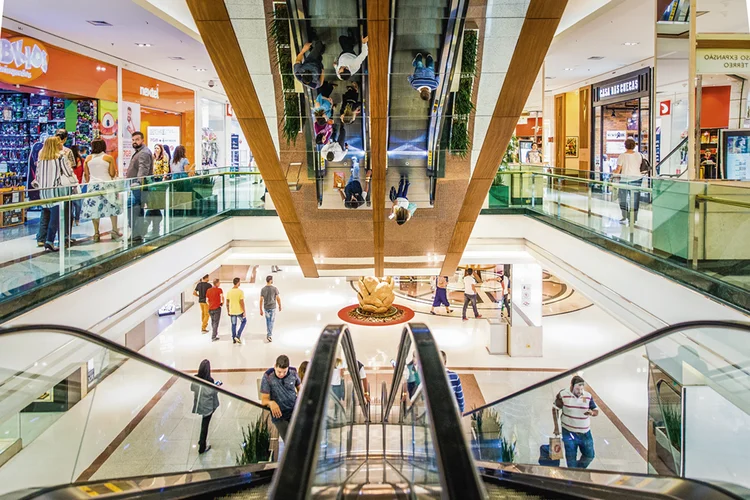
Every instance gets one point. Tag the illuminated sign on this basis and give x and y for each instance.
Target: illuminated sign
(22, 60)
(150, 92)
(620, 88)
(722, 61)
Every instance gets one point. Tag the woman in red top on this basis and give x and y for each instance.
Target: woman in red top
(78, 171)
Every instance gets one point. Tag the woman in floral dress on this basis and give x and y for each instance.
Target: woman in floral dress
(100, 170)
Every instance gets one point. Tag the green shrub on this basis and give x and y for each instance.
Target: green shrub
(673, 423)
(256, 443)
(469, 54)
(292, 117)
(464, 106)
(279, 29)
(460, 142)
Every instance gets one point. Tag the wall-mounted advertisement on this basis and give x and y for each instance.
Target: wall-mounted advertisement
(617, 135)
(166, 136)
(131, 123)
(736, 154)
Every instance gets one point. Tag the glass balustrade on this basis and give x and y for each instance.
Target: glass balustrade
(47, 243)
(74, 409)
(692, 224)
(674, 403)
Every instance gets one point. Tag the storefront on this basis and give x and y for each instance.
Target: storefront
(44, 88)
(621, 110)
(239, 150)
(529, 132)
(164, 112)
(213, 134)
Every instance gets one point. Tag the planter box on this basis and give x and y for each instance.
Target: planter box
(670, 455)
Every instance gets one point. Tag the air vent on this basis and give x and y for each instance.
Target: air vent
(177, 58)
(99, 23)
(596, 58)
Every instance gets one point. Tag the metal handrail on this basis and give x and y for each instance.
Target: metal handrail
(139, 187)
(676, 149)
(702, 198)
(124, 351)
(642, 341)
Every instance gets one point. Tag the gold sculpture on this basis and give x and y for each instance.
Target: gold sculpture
(376, 295)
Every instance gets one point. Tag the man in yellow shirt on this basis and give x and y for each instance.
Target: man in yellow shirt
(236, 309)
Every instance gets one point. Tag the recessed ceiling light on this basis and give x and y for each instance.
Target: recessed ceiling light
(177, 58)
(143, 45)
(596, 58)
(99, 23)
(549, 77)
(568, 69)
(630, 44)
(200, 70)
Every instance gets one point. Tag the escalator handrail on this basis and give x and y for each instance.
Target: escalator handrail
(459, 477)
(666, 158)
(646, 339)
(448, 58)
(122, 350)
(297, 467)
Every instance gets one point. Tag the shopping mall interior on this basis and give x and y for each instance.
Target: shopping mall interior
(367, 248)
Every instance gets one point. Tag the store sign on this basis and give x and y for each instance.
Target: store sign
(665, 108)
(230, 110)
(627, 87)
(722, 61)
(22, 60)
(150, 92)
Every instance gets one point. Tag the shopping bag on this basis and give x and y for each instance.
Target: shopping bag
(555, 448)
(338, 180)
(544, 458)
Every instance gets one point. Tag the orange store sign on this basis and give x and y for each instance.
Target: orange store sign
(22, 59)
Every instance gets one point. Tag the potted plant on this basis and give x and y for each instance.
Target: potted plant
(669, 437)
(256, 443)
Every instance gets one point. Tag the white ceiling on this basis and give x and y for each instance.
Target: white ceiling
(131, 24)
(722, 16)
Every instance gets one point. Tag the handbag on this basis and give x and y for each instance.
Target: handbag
(67, 180)
(555, 448)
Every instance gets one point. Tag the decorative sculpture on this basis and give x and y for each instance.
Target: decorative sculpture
(376, 296)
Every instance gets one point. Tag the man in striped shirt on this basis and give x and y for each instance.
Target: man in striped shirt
(424, 80)
(577, 407)
(458, 390)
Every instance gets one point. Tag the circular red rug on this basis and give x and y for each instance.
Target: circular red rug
(349, 315)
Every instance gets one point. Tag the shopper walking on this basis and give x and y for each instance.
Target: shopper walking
(577, 407)
(424, 80)
(351, 106)
(308, 66)
(505, 282)
(180, 165)
(455, 382)
(161, 162)
(141, 165)
(352, 194)
(403, 210)
(201, 288)
(70, 183)
(215, 299)
(205, 402)
(470, 293)
(412, 379)
(76, 205)
(629, 169)
(441, 295)
(269, 299)
(99, 170)
(278, 391)
(348, 63)
(236, 309)
(52, 174)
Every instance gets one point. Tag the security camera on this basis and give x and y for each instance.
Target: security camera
(211, 83)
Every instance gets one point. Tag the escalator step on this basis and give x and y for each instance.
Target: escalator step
(259, 492)
(497, 492)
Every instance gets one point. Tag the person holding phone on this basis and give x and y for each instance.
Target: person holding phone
(577, 407)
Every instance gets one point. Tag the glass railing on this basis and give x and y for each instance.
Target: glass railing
(674, 403)
(75, 407)
(690, 224)
(58, 232)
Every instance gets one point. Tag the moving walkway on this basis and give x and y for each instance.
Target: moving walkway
(397, 445)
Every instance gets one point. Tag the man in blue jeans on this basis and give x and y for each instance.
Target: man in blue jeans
(236, 308)
(424, 80)
(577, 407)
(269, 299)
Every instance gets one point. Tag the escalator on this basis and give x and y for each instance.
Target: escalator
(327, 20)
(424, 27)
(402, 444)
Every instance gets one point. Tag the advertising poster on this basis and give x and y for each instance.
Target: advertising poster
(738, 156)
(131, 123)
(108, 126)
(167, 136)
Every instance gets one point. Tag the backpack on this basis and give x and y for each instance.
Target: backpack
(645, 167)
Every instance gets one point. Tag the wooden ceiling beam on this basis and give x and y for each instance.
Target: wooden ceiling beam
(215, 27)
(542, 19)
(378, 29)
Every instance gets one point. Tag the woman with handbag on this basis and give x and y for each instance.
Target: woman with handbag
(205, 402)
(54, 178)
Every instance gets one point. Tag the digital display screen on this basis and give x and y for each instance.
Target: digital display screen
(736, 145)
